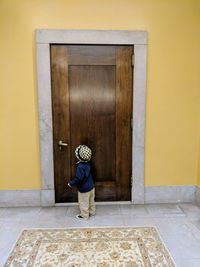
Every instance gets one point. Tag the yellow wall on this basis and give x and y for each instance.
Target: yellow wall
(173, 85)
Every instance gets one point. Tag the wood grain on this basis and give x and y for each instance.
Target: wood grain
(61, 123)
(92, 117)
(124, 85)
(92, 105)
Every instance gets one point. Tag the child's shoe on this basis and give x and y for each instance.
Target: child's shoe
(80, 217)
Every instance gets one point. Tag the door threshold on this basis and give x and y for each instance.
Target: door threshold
(97, 203)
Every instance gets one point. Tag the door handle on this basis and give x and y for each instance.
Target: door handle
(61, 144)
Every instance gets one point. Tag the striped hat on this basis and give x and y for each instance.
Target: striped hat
(83, 153)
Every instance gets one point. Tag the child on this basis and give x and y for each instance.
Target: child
(84, 182)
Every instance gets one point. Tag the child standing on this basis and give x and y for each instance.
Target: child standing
(84, 182)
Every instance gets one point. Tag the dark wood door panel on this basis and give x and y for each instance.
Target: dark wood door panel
(61, 123)
(90, 55)
(124, 85)
(106, 191)
(92, 116)
(92, 105)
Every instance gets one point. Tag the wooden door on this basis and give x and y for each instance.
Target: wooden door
(92, 105)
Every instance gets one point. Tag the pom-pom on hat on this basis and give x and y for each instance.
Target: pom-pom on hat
(83, 153)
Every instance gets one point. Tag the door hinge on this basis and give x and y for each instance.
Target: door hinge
(133, 60)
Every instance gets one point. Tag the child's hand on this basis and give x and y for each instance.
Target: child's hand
(69, 185)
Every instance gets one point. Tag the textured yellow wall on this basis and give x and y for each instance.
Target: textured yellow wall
(173, 85)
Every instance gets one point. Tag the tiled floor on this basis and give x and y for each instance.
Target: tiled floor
(178, 225)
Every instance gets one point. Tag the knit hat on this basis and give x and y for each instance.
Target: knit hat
(83, 153)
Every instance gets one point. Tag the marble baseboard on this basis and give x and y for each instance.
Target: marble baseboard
(170, 194)
(47, 198)
(19, 198)
(153, 194)
(197, 194)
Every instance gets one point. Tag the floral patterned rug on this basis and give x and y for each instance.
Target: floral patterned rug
(100, 247)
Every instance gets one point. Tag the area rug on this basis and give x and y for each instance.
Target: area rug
(92, 247)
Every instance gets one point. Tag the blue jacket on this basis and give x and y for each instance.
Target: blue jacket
(83, 178)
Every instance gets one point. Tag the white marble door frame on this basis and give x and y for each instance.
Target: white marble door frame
(43, 40)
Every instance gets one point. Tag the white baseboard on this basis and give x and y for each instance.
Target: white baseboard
(170, 194)
(19, 198)
(197, 195)
(153, 194)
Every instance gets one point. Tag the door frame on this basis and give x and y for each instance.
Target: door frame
(44, 38)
